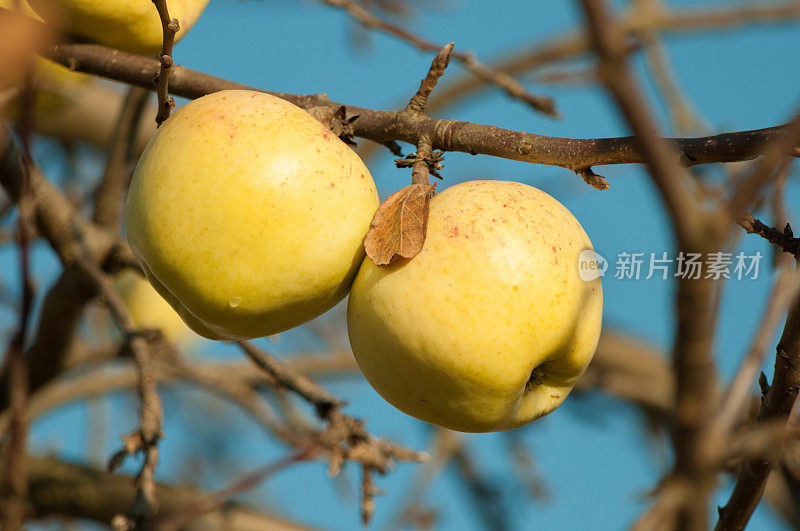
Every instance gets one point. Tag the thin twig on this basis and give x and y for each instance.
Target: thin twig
(683, 118)
(507, 83)
(301, 384)
(170, 26)
(784, 240)
(422, 162)
(421, 167)
(145, 438)
(438, 66)
(539, 54)
(779, 154)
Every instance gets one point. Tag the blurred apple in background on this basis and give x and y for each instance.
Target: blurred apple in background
(129, 25)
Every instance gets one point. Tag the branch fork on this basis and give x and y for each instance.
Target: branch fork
(423, 162)
(335, 119)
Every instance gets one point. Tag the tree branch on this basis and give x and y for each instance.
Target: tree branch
(486, 74)
(14, 482)
(145, 438)
(671, 180)
(288, 378)
(344, 438)
(449, 135)
(75, 491)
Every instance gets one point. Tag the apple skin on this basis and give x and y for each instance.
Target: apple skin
(248, 215)
(130, 25)
(452, 336)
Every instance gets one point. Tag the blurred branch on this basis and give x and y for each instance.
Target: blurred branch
(413, 508)
(89, 113)
(683, 118)
(661, 22)
(632, 371)
(626, 368)
(74, 491)
(783, 489)
(777, 157)
(780, 217)
(696, 231)
(71, 237)
(761, 440)
(485, 496)
(214, 501)
(507, 83)
(111, 192)
(104, 379)
(673, 494)
(671, 180)
(525, 468)
(785, 240)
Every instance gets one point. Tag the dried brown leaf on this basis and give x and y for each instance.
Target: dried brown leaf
(400, 224)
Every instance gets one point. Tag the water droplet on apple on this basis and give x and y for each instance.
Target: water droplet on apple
(234, 302)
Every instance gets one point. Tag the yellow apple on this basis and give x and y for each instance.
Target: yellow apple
(490, 325)
(130, 25)
(248, 215)
(149, 310)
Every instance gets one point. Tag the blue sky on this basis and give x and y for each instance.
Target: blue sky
(593, 454)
